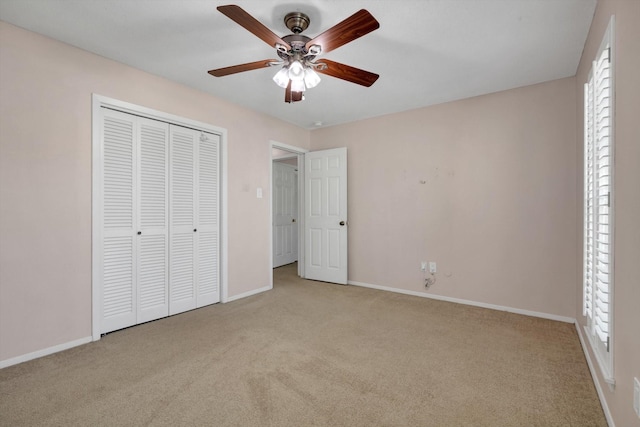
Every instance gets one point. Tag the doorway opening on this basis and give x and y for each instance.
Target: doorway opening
(287, 204)
(322, 232)
(285, 210)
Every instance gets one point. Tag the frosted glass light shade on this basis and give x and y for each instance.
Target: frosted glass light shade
(311, 78)
(296, 71)
(282, 78)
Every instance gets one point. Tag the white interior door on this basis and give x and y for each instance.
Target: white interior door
(153, 236)
(182, 293)
(118, 229)
(208, 217)
(194, 211)
(326, 215)
(285, 213)
(134, 222)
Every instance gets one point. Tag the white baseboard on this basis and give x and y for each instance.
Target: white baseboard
(594, 376)
(44, 352)
(248, 294)
(468, 302)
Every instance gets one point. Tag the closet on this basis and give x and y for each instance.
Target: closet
(158, 208)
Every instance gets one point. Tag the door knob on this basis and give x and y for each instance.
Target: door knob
(195, 229)
(139, 233)
(293, 220)
(342, 223)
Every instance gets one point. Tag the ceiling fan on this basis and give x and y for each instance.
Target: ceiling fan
(298, 54)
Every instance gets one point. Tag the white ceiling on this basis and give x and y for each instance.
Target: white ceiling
(426, 51)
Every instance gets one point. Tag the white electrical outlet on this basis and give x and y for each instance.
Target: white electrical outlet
(636, 396)
(423, 266)
(432, 267)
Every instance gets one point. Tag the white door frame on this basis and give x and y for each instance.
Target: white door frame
(300, 154)
(99, 101)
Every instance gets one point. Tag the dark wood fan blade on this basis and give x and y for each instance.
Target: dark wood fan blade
(240, 68)
(348, 73)
(291, 96)
(241, 17)
(355, 26)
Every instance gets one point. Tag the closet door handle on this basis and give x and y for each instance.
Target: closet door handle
(139, 233)
(195, 229)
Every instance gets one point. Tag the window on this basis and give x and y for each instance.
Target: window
(598, 206)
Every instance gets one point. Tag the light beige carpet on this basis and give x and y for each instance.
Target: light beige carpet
(314, 354)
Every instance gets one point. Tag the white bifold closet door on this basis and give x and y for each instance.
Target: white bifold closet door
(135, 222)
(194, 228)
(160, 220)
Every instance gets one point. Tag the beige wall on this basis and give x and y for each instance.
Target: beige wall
(486, 187)
(626, 302)
(45, 182)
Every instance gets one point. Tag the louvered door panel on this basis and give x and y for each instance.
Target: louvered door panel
(118, 143)
(118, 284)
(153, 291)
(182, 179)
(182, 290)
(152, 278)
(208, 220)
(118, 275)
(153, 175)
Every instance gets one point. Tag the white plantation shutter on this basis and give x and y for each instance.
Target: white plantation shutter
(602, 125)
(598, 208)
(588, 199)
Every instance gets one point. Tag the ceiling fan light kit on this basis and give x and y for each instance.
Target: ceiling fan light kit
(298, 54)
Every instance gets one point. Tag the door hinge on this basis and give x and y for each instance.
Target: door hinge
(609, 199)
(609, 55)
(607, 344)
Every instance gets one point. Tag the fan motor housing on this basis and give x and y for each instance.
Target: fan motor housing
(296, 22)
